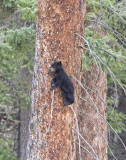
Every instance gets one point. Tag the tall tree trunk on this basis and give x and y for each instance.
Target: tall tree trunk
(24, 121)
(58, 21)
(92, 126)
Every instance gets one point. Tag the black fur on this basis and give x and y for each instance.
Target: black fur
(62, 80)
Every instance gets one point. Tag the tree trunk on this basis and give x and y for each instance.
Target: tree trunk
(51, 135)
(24, 121)
(92, 126)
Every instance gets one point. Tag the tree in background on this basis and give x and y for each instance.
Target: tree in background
(93, 114)
(106, 42)
(17, 43)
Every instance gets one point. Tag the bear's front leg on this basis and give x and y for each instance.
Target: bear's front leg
(54, 84)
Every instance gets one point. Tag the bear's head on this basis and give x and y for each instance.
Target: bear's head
(56, 66)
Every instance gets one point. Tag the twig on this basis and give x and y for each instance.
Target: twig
(98, 66)
(86, 142)
(87, 92)
(113, 11)
(82, 85)
(87, 151)
(90, 51)
(111, 54)
(94, 106)
(105, 121)
(106, 26)
(77, 130)
(102, 99)
(113, 31)
(100, 59)
(101, 135)
(115, 103)
(110, 71)
(112, 79)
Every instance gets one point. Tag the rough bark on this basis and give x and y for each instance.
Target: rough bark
(58, 21)
(24, 122)
(90, 123)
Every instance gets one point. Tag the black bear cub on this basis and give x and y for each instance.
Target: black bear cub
(62, 80)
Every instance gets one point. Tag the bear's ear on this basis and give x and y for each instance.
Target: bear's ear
(59, 63)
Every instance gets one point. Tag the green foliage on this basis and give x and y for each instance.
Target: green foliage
(7, 3)
(105, 32)
(99, 36)
(120, 117)
(6, 150)
(17, 45)
(28, 9)
(112, 149)
(14, 57)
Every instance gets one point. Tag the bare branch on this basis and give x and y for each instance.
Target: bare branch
(95, 107)
(101, 135)
(107, 27)
(88, 151)
(113, 11)
(111, 74)
(84, 86)
(110, 71)
(112, 78)
(113, 81)
(77, 130)
(100, 59)
(86, 142)
(97, 64)
(105, 121)
(111, 54)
